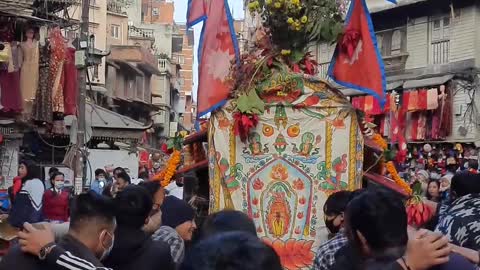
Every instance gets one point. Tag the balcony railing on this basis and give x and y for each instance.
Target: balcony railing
(135, 32)
(115, 7)
(164, 66)
(440, 51)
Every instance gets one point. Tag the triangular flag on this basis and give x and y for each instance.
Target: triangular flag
(357, 62)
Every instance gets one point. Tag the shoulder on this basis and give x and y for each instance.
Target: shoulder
(34, 184)
(15, 258)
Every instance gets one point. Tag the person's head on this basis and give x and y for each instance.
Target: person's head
(100, 174)
(334, 209)
(52, 170)
(473, 164)
(157, 192)
(179, 215)
(28, 170)
(445, 183)
(133, 206)
(433, 190)
(227, 221)
(465, 183)
(122, 181)
(92, 222)
(233, 251)
(117, 171)
(376, 223)
(30, 33)
(57, 179)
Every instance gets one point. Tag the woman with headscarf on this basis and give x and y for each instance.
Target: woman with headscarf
(460, 218)
(27, 205)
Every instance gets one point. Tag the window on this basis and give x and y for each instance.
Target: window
(396, 42)
(440, 40)
(115, 31)
(155, 12)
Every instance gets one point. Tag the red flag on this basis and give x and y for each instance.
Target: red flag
(217, 48)
(357, 63)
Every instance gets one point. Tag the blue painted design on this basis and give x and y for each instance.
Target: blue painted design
(369, 91)
(203, 19)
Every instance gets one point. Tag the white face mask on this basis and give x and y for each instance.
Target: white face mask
(59, 185)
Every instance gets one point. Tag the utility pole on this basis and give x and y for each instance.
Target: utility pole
(81, 168)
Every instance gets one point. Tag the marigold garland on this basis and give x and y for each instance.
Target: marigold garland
(380, 141)
(398, 180)
(165, 176)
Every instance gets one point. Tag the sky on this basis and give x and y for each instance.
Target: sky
(236, 7)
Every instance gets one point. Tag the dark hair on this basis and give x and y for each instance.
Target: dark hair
(125, 177)
(380, 216)
(232, 251)
(52, 170)
(54, 175)
(465, 183)
(89, 209)
(227, 221)
(151, 186)
(133, 206)
(336, 203)
(429, 196)
(118, 170)
(473, 164)
(100, 171)
(33, 171)
(144, 175)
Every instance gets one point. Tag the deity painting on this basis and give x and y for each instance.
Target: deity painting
(308, 144)
(255, 144)
(223, 122)
(279, 173)
(279, 214)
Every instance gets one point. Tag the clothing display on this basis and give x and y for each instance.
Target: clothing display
(42, 107)
(29, 73)
(10, 82)
(57, 58)
(70, 86)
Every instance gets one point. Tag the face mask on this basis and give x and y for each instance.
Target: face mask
(331, 227)
(107, 251)
(101, 179)
(59, 185)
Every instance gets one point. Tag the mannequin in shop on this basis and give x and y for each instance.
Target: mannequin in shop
(29, 71)
(42, 108)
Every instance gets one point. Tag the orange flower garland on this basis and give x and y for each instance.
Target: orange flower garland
(378, 139)
(165, 176)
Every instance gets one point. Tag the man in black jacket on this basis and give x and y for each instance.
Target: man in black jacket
(90, 237)
(134, 249)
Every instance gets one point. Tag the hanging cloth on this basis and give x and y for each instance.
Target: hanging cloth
(422, 100)
(412, 104)
(432, 99)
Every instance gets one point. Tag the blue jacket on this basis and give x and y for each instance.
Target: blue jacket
(27, 205)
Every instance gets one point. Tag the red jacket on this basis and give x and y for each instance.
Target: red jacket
(55, 205)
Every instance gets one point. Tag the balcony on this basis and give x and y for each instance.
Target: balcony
(440, 51)
(116, 7)
(140, 33)
(141, 57)
(164, 66)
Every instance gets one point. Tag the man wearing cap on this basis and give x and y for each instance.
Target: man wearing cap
(178, 225)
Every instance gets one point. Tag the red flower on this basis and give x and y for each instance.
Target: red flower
(294, 254)
(257, 184)
(300, 215)
(255, 201)
(243, 123)
(297, 230)
(349, 42)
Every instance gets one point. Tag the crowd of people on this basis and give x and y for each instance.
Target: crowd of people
(119, 225)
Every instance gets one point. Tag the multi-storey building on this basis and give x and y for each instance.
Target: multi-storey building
(428, 44)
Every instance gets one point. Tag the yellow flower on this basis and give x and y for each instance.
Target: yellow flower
(290, 20)
(277, 5)
(286, 52)
(296, 2)
(304, 19)
(298, 28)
(268, 2)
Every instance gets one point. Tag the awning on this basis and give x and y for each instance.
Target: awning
(129, 66)
(96, 88)
(394, 85)
(99, 117)
(434, 81)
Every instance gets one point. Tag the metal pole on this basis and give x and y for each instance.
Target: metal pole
(82, 83)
